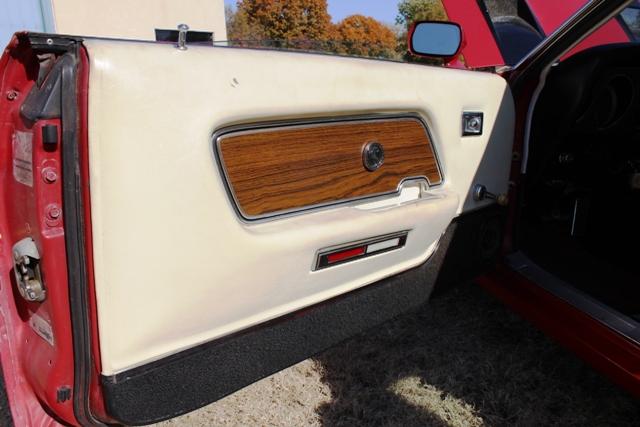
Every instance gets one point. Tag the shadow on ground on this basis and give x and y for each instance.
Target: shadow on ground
(465, 360)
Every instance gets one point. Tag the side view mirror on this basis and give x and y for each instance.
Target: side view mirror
(435, 39)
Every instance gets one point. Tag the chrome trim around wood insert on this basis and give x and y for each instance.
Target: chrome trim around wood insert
(257, 127)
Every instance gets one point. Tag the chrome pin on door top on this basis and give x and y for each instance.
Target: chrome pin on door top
(183, 29)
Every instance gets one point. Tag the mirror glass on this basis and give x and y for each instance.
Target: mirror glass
(436, 39)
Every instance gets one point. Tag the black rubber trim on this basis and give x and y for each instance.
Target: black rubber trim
(474, 248)
(626, 29)
(202, 37)
(194, 378)
(524, 12)
(559, 41)
(73, 207)
(44, 102)
(73, 215)
(487, 19)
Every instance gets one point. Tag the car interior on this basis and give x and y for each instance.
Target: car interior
(516, 37)
(581, 201)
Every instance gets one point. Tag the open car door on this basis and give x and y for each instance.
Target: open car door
(190, 221)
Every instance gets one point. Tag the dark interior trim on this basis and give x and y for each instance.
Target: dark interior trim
(571, 32)
(201, 37)
(625, 28)
(613, 319)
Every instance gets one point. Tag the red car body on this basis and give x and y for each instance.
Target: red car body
(22, 357)
(480, 48)
(18, 358)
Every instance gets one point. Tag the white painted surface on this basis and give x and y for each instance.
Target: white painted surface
(174, 265)
(137, 19)
(386, 244)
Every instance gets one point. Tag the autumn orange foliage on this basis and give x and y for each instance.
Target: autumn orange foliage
(307, 24)
(364, 36)
(281, 20)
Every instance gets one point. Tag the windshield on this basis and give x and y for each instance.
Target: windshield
(520, 28)
(378, 28)
(374, 29)
(631, 19)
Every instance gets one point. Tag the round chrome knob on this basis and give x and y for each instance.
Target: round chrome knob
(372, 156)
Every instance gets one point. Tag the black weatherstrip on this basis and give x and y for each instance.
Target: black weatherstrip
(74, 226)
(73, 207)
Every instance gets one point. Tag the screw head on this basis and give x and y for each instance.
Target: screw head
(49, 175)
(54, 213)
(11, 95)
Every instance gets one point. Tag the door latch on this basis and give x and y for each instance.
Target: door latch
(26, 265)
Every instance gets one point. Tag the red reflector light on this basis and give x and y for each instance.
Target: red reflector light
(349, 253)
(361, 249)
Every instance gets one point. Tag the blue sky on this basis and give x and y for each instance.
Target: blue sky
(382, 10)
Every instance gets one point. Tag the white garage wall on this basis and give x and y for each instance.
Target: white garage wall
(125, 19)
(17, 15)
(129, 19)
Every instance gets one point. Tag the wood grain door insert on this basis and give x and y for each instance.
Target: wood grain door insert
(276, 170)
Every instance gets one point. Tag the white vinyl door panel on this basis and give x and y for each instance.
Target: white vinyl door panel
(175, 265)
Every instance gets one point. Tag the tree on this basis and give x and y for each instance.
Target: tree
(364, 36)
(280, 20)
(239, 27)
(306, 24)
(410, 11)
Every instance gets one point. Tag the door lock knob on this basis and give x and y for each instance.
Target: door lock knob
(480, 192)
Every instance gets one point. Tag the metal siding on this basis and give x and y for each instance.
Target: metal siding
(20, 15)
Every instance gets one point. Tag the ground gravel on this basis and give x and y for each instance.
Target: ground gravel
(463, 360)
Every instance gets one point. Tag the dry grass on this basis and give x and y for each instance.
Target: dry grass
(288, 398)
(464, 360)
